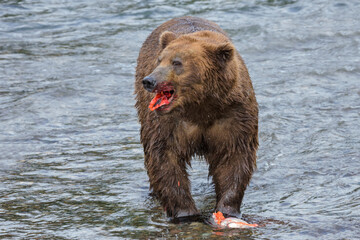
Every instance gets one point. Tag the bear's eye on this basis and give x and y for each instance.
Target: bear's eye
(176, 63)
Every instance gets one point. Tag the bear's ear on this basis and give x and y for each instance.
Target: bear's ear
(225, 52)
(165, 38)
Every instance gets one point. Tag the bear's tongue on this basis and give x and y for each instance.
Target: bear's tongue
(159, 100)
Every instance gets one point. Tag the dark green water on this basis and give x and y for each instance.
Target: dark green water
(71, 165)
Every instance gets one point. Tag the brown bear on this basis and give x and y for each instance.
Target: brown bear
(195, 97)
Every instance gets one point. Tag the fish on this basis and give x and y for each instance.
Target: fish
(231, 222)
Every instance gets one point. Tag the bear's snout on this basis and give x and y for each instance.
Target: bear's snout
(149, 83)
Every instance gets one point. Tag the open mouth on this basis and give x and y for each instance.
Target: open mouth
(165, 95)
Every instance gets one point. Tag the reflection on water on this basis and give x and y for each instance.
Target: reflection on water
(71, 164)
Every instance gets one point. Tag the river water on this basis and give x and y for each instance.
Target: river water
(71, 164)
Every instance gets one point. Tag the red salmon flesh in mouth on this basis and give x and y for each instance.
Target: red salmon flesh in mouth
(165, 94)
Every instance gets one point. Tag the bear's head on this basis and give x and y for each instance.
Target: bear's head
(192, 69)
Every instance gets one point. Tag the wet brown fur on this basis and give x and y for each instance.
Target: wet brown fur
(214, 116)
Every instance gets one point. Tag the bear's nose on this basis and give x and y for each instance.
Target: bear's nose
(149, 83)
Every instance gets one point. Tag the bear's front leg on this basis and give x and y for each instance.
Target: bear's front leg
(170, 184)
(231, 174)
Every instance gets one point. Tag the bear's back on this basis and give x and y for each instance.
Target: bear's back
(185, 25)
